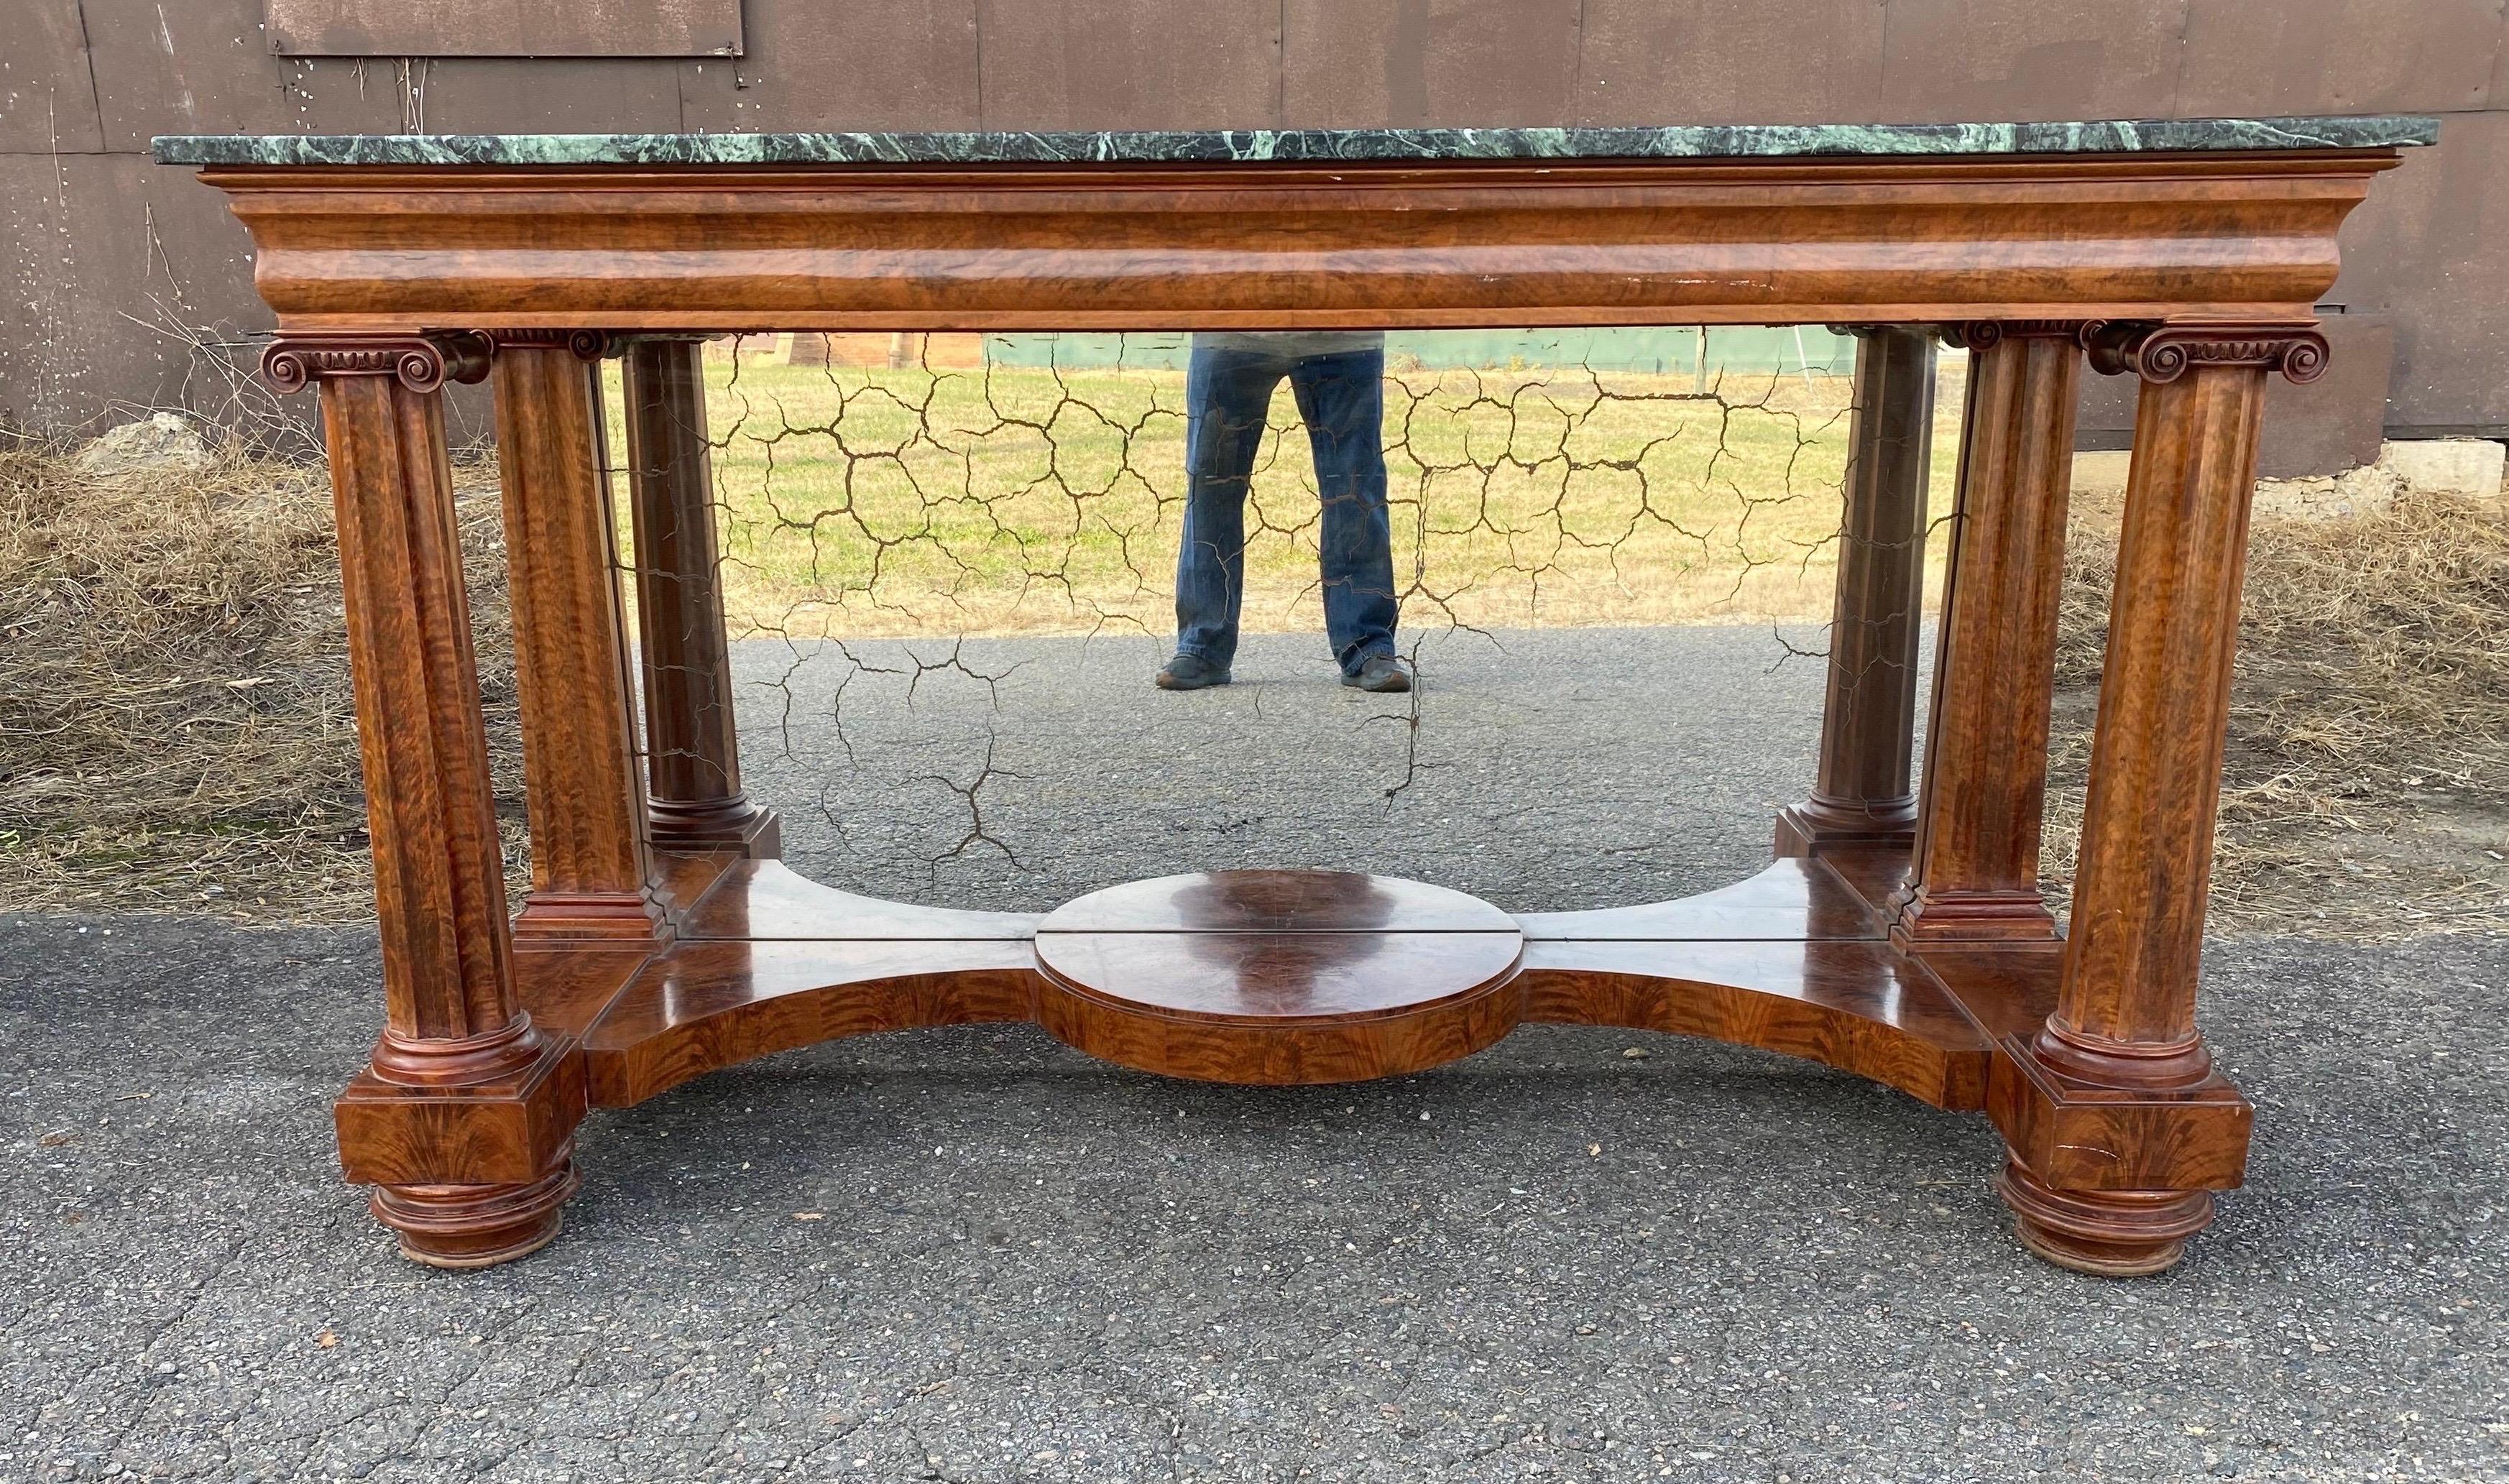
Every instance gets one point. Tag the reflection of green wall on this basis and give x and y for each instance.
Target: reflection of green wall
(1737, 348)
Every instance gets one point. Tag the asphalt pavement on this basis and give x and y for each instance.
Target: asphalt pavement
(974, 1255)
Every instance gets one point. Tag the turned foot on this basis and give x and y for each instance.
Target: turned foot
(476, 1226)
(2105, 1233)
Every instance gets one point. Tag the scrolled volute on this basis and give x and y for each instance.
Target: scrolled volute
(420, 362)
(2164, 353)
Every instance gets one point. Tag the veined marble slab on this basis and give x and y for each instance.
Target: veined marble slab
(1682, 142)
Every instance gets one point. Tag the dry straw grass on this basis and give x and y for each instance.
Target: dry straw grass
(179, 731)
(2366, 785)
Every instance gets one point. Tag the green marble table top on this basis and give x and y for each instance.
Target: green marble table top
(1681, 142)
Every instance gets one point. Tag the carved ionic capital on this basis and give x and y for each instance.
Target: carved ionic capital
(587, 344)
(2163, 353)
(1981, 334)
(423, 362)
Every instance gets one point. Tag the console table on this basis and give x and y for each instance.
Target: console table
(1900, 933)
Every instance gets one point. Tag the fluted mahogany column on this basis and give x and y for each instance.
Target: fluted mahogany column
(1861, 795)
(463, 1120)
(573, 675)
(2124, 1028)
(693, 749)
(1974, 874)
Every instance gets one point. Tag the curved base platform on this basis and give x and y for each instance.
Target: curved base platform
(1279, 977)
(1308, 976)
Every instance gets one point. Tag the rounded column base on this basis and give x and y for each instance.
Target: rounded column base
(730, 823)
(2105, 1233)
(1822, 823)
(476, 1226)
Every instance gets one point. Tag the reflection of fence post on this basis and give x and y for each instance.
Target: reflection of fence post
(692, 751)
(1861, 794)
(1699, 365)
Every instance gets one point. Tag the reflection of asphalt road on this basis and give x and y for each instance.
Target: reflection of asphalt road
(971, 1254)
(1554, 768)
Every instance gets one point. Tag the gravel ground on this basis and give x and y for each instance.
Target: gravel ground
(972, 1254)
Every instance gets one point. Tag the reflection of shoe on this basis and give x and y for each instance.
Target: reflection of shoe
(1379, 672)
(1189, 672)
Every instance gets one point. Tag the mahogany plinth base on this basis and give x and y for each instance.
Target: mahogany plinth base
(476, 1226)
(1278, 978)
(2081, 1135)
(2108, 1232)
(615, 916)
(1818, 826)
(2085, 1135)
(1926, 918)
(507, 1130)
(733, 824)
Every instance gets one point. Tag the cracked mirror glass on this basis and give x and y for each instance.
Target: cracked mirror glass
(1539, 615)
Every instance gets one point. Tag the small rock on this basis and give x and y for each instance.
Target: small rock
(166, 440)
(2451, 465)
(2101, 471)
(2364, 491)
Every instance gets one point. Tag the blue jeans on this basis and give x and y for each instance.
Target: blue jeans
(1342, 401)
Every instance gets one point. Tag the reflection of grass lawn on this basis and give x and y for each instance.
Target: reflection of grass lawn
(861, 502)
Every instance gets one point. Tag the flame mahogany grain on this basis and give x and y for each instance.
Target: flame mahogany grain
(457, 1041)
(1151, 246)
(1278, 977)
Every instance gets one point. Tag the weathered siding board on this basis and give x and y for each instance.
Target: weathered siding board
(2431, 246)
(506, 27)
(1128, 64)
(2498, 97)
(110, 258)
(2437, 256)
(2274, 56)
(512, 96)
(46, 101)
(1950, 59)
(1730, 62)
(1363, 63)
(164, 69)
(847, 63)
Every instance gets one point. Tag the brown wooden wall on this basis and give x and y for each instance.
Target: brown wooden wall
(106, 260)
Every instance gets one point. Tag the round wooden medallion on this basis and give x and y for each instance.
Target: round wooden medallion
(1279, 977)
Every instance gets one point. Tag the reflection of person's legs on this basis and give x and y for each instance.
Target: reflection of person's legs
(1227, 393)
(1342, 398)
